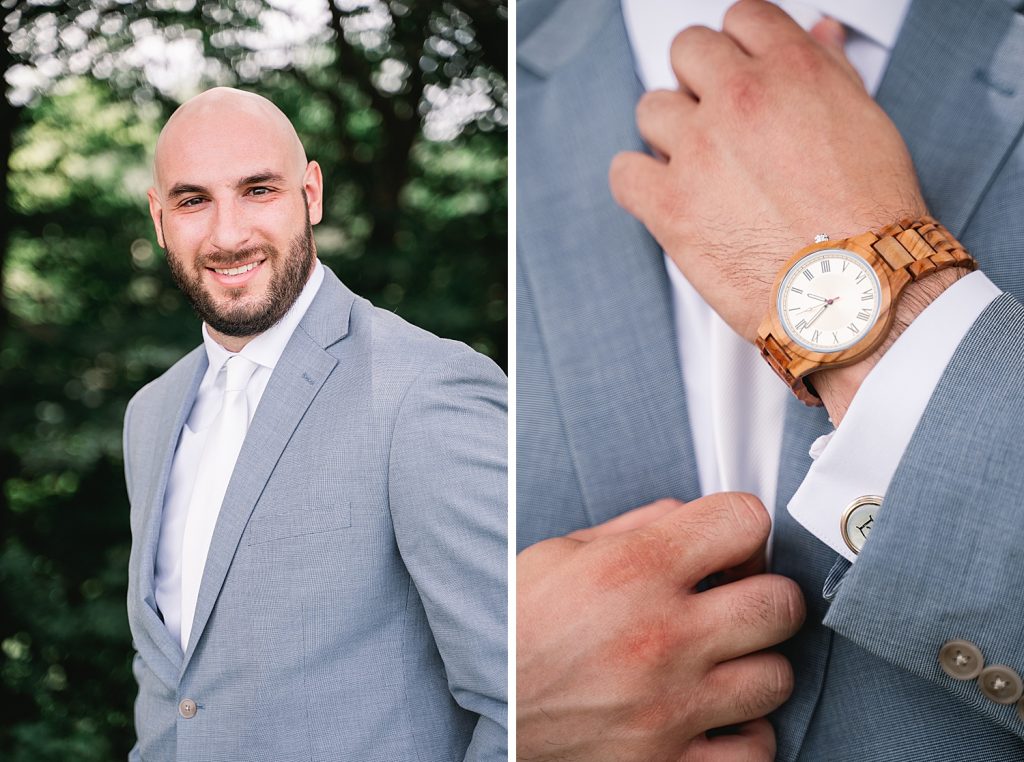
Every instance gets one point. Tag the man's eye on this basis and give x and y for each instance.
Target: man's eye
(194, 201)
(261, 191)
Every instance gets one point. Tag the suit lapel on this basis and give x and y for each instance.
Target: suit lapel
(597, 277)
(301, 371)
(955, 89)
(173, 417)
(802, 557)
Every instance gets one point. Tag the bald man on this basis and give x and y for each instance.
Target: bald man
(318, 490)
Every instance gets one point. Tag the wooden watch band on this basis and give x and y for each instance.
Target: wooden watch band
(906, 251)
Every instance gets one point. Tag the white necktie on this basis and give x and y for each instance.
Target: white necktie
(219, 455)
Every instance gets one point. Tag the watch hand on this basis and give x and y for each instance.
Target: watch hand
(815, 296)
(828, 303)
(820, 313)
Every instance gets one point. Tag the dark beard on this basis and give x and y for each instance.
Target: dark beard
(286, 284)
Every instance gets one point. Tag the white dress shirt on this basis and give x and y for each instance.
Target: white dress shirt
(736, 404)
(264, 350)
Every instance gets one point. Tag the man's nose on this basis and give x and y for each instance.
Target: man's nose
(231, 227)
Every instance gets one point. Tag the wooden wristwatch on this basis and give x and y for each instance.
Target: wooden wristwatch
(833, 301)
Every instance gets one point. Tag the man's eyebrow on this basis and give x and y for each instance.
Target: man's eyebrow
(183, 189)
(265, 176)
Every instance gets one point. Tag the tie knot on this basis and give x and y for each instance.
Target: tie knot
(239, 370)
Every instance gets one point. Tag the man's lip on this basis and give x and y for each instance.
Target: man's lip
(237, 281)
(257, 261)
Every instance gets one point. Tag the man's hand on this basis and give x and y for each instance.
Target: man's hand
(770, 140)
(619, 658)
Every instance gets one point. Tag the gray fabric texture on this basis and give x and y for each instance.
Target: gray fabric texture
(353, 604)
(601, 416)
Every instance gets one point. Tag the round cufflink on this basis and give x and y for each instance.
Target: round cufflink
(855, 523)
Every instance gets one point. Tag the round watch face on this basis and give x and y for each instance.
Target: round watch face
(829, 300)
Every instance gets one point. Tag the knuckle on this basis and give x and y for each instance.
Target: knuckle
(771, 601)
(747, 513)
(788, 600)
(745, 10)
(776, 683)
(652, 104)
(691, 35)
(744, 92)
(768, 685)
(668, 503)
(801, 58)
(637, 558)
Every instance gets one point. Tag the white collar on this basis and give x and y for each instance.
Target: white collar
(880, 20)
(266, 349)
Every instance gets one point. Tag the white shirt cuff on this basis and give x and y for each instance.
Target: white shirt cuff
(860, 457)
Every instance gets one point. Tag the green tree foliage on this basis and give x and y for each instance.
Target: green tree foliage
(404, 106)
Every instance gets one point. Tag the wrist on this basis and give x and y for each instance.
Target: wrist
(838, 386)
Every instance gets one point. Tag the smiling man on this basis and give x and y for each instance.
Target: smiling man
(317, 491)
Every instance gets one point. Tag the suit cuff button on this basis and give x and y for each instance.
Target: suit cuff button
(961, 660)
(1001, 684)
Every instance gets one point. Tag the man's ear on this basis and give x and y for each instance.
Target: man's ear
(156, 211)
(313, 184)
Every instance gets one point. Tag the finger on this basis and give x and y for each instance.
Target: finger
(627, 521)
(830, 34)
(756, 564)
(711, 534)
(637, 182)
(661, 116)
(745, 689)
(760, 27)
(702, 58)
(749, 615)
(751, 742)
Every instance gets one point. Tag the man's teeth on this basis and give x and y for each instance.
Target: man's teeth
(236, 270)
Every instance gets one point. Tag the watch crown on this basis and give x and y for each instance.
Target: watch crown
(821, 238)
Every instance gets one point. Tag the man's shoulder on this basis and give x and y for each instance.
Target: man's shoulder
(402, 352)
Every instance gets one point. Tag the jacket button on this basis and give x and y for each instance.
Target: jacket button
(1001, 684)
(187, 708)
(961, 660)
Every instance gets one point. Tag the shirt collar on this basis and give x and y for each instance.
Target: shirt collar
(266, 348)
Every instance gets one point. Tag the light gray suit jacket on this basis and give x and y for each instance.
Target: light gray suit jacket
(602, 420)
(353, 602)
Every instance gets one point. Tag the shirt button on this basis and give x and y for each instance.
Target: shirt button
(1001, 684)
(961, 660)
(187, 708)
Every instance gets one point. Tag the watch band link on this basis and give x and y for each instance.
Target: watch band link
(917, 247)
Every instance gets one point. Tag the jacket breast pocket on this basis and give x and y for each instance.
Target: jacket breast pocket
(303, 520)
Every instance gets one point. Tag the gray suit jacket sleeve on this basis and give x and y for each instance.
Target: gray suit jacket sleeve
(945, 557)
(134, 754)
(447, 490)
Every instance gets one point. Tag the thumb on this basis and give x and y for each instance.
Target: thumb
(830, 34)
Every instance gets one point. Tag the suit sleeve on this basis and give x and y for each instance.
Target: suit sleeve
(946, 556)
(134, 755)
(448, 494)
